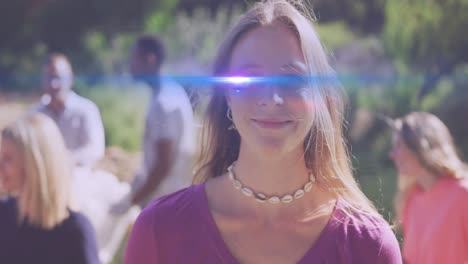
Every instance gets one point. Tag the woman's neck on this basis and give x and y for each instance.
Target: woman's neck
(426, 179)
(272, 174)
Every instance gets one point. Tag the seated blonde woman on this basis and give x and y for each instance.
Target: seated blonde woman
(432, 201)
(37, 224)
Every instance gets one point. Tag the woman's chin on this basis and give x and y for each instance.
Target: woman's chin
(274, 145)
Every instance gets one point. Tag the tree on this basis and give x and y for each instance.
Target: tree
(364, 16)
(428, 34)
(30, 28)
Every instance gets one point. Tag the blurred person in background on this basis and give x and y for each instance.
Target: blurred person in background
(37, 223)
(169, 134)
(432, 199)
(275, 183)
(78, 118)
(80, 124)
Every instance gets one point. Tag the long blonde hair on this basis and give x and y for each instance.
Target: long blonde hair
(430, 140)
(325, 149)
(44, 199)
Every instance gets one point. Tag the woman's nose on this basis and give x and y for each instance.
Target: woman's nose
(277, 98)
(270, 95)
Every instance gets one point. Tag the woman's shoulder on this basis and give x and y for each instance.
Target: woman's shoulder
(7, 204)
(166, 225)
(77, 219)
(8, 208)
(457, 188)
(462, 191)
(462, 186)
(76, 226)
(367, 236)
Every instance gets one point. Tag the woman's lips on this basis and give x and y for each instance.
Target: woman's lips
(271, 124)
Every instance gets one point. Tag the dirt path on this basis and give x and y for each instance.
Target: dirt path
(9, 112)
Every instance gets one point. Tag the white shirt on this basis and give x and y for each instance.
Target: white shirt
(81, 126)
(169, 116)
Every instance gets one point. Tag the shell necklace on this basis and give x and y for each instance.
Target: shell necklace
(262, 198)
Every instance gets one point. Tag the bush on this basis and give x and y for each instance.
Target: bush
(123, 111)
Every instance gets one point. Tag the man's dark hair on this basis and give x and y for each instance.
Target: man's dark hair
(151, 44)
(54, 56)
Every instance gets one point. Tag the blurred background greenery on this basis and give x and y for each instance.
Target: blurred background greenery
(401, 55)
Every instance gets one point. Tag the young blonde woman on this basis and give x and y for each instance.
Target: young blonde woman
(432, 202)
(36, 223)
(275, 184)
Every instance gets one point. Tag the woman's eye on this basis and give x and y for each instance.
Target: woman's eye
(245, 87)
(294, 84)
(238, 88)
(288, 85)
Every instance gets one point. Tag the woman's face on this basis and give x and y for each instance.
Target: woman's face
(270, 116)
(11, 169)
(405, 160)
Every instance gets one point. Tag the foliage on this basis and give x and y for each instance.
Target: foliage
(110, 55)
(193, 40)
(425, 32)
(365, 16)
(429, 34)
(334, 35)
(32, 29)
(123, 111)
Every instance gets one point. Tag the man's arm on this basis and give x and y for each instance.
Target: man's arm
(165, 149)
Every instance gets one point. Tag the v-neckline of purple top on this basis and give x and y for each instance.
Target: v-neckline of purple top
(310, 254)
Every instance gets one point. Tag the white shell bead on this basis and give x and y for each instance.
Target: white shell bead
(247, 191)
(237, 184)
(287, 198)
(274, 200)
(298, 194)
(260, 197)
(312, 178)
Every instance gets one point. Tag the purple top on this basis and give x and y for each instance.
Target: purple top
(179, 228)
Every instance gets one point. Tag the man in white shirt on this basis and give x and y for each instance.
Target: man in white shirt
(78, 118)
(169, 140)
(80, 123)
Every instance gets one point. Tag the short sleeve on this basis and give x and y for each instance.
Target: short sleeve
(171, 125)
(388, 248)
(141, 245)
(374, 242)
